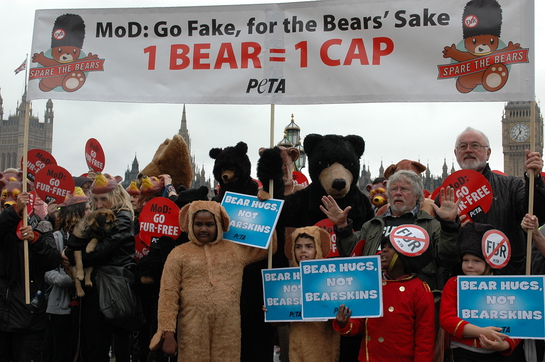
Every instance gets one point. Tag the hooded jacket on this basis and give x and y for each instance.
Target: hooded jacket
(312, 341)
(200, 290)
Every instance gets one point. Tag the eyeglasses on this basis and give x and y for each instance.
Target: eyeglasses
(475, 146)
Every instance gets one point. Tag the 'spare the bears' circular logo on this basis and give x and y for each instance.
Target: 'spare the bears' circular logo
(471, 21)
(59, 34)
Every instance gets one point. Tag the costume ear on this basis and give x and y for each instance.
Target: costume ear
(418, 167)
(325, 241)
(224, 219)
(310, 142)
(214, 152)
(184, 218)
(241, 148)
(358, 143)
(293, 152)
(261, 149)
(368, 187)
(390, 170)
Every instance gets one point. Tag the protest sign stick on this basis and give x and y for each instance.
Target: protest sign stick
(25, 218)
(271, 182)
(531, 179)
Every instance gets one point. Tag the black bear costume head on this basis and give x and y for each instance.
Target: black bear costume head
(334, 161)
(232, 169)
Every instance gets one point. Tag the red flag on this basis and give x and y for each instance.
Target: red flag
(21, 67)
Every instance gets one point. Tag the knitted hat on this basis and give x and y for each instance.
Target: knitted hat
(150, 185)
(132, 189)
(470, 239)
(482, 17)
(68, 30)
(75, 197)
(322, 241)
(104, 183)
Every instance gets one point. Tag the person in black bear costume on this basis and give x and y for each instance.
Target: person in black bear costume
(334, 168)
(232, 170)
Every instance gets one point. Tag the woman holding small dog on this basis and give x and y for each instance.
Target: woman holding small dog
(64, 334)
(116, 248)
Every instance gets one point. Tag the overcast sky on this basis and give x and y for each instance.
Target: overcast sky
(417, 131)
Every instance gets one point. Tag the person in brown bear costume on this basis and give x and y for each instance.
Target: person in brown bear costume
(199, 299)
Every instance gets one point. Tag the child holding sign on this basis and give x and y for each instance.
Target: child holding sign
(199, 299)
(469, 342)
(406, 331)
(311, 341)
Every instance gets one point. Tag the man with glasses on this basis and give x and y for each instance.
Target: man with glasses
(510, 194)
(405, 195)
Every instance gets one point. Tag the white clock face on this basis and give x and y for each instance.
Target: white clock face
(520, 132)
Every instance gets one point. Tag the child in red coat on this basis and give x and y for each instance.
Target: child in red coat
(467, 341)
(406, 331)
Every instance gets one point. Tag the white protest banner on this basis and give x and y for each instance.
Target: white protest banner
(343, 51)
(282, 294)
(354, 282)
(252, 221)
(513, 303)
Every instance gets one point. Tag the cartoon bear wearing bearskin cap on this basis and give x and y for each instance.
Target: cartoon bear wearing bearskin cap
(482, 20)
(66, 43)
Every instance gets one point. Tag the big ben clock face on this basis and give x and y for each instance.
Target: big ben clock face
(520, 132)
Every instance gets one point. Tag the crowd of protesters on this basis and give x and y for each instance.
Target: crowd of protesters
(197, 303)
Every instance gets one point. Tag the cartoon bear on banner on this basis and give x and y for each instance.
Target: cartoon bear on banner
(172, 158)
(481, 24)
(66, 44)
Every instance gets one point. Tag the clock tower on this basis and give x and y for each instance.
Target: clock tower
(516, 123)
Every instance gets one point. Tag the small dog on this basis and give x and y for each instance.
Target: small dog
(95, 227)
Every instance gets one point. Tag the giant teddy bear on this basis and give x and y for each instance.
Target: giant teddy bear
(172, 157)
(334, 168)
(232, 169)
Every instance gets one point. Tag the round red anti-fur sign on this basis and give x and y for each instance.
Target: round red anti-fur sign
(53, 183)
(31, 201)
(410, 240)
(159, 217)
(141, 248)
(472, 188)
(36, 160)
(327, 225)
(496, 249)
(94, 155)
(300, 178)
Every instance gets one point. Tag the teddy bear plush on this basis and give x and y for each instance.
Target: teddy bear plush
(172, 158)
(232, 169)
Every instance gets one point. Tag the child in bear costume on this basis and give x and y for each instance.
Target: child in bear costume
(311, 341)
(200, 289)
